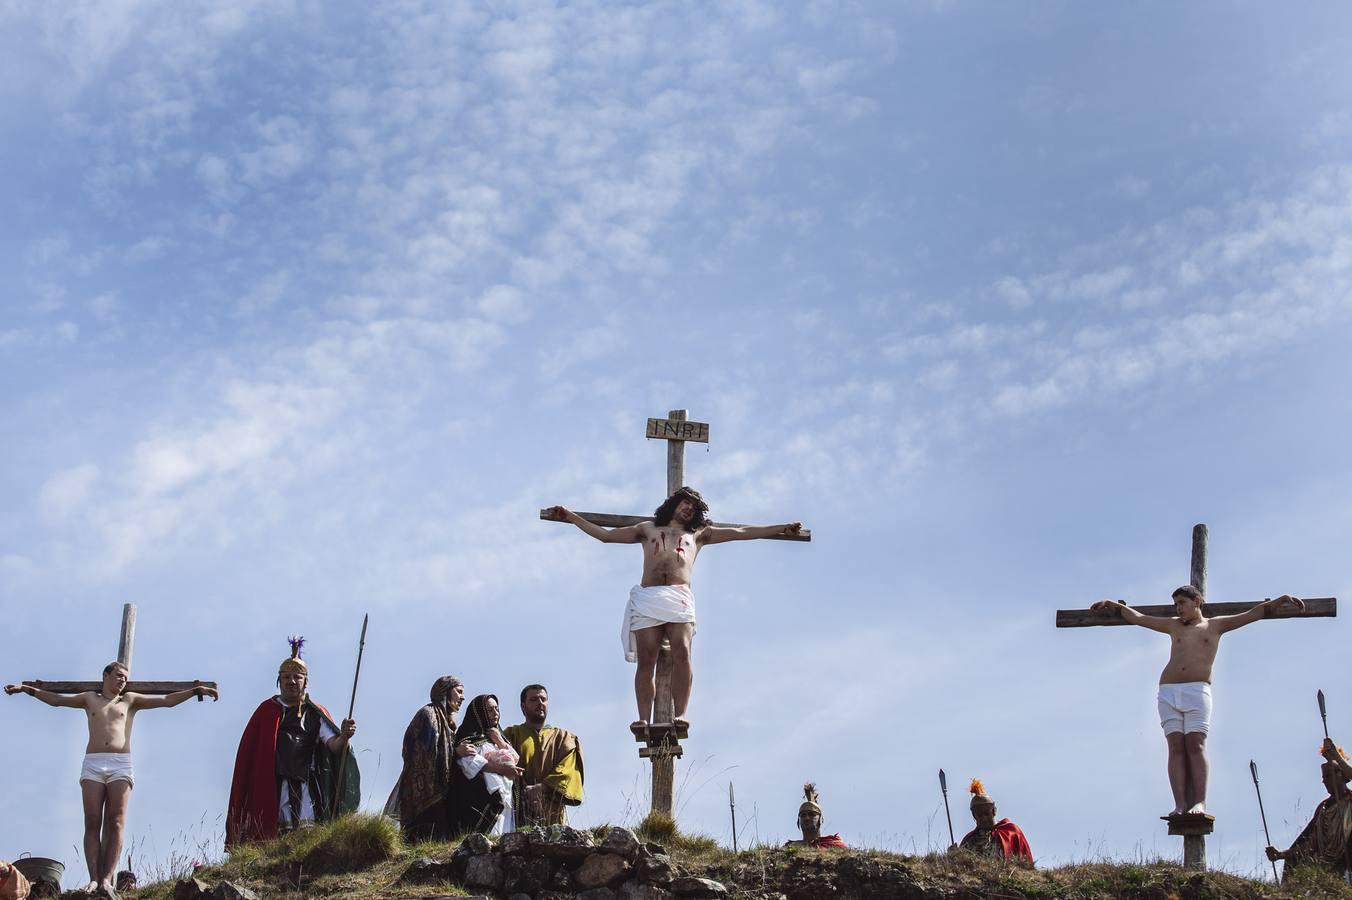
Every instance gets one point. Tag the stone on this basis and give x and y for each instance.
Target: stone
(518, 897)
(514, 842)
(655, 849)
(601, 869)
(191, 889)
(477, 844)
(690, 886)
(424, 870)
(633, 890)
(654, 869)
(566, 844)
(526, 875)
(598, 893)
(484, 872)
(621, 842)
(226, 890)
(561, 880)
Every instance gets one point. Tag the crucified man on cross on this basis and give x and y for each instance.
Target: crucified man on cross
(662, 605)
(1185, 684)
(106, 775)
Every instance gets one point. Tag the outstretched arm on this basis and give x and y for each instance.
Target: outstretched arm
(74, 701)
(714, 534)
(1254, 613)
(1132, 617)
(338, 743)
(1330, 751)
(141, 701)
(628, 534)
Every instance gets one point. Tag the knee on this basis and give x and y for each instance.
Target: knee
(680, 651)
(1195, 741)
(1175, 741)
(647, 662)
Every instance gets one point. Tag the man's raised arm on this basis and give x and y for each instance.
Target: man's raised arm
(714, 534)
(627, 534)
(141, 701)
(1132, 617)
(74, 701)
(1255, 612)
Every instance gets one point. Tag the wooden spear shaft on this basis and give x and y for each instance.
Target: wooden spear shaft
(1253, 770)
(943, 786)
(351, 707)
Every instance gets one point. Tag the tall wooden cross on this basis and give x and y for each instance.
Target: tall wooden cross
(662, 739)
(1194, 827)
(124, 648)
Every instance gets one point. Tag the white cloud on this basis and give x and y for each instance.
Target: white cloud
(66, 491)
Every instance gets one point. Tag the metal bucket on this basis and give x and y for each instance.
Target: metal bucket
(40, 868)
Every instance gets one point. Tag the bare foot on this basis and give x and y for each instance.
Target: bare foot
(680, 722)
(88, 888)
(638, 725)
(1197, 809)
(1175, 812)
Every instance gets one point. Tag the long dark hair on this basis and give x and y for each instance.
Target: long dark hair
(664, 512)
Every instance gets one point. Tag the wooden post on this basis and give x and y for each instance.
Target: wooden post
(1194, 827)
(1198, 572)
(124, 643)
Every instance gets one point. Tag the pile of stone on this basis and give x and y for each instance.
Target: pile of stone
(562, 862)
(197, 889)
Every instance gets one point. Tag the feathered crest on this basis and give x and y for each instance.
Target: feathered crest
(977, 788)
(296, 641)
(1341, 751)
(810, 793)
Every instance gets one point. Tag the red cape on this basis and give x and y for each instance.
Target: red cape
(829, 842)
(252, 814)
(1012, 840)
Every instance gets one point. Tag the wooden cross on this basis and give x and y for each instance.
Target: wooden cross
(662, 738)
(1194, 827)
(124, 648)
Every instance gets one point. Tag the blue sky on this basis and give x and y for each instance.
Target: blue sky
(307, 309)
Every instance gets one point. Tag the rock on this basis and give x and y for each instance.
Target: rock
(561, 880)
(633, 890)
(552, 895)
(514, 842)
(484, 872)
(654, 869)
(525, 875)
(698, 887)
(423, 870)
(565, 844)
(518, 897)
(477, 844)
(226, 890)
(601, 869)
(598, 893)
(621, 842)
(655, 849)
(191, 889)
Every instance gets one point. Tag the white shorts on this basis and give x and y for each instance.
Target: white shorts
(105, 768)
(1185, 708)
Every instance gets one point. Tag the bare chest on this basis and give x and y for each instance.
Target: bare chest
(109, 714)
(1196, 642)
(670, 545)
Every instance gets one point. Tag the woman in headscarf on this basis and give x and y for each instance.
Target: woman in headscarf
(424, 807)
(481, 798)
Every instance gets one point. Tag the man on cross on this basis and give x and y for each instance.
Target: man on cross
(1185, 684)
(106, 775)
(662, 605)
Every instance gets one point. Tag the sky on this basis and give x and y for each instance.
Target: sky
(306, 310)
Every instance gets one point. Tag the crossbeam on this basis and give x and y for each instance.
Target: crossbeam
(1315, 608)
(135, 687)
(610, 520)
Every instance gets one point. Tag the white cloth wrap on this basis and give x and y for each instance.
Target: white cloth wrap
(656, 605)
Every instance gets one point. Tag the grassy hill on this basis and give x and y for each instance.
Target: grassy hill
(364, 857)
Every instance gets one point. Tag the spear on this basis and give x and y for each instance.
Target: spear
(342, 763)
(732, 805)
(1253, 770)
(943, 786)
(1323, 712)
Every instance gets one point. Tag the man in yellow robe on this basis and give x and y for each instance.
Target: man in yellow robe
(552, 759)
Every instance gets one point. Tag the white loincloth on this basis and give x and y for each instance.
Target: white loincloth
(656, 605)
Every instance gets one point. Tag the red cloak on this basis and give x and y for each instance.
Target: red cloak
(1011, 838)
(829, 842)
(252, 814)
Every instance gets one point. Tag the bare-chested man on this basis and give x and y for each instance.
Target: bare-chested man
(662, 605)
(106, 776)
(1185, 683)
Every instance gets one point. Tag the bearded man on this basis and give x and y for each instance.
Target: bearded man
(424, 785)
(810, 824)
(662, 605)
(1000, 840)
(1327, 841)
(288, 760)
(551, 758)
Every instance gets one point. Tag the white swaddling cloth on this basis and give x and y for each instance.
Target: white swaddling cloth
(656, 605)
